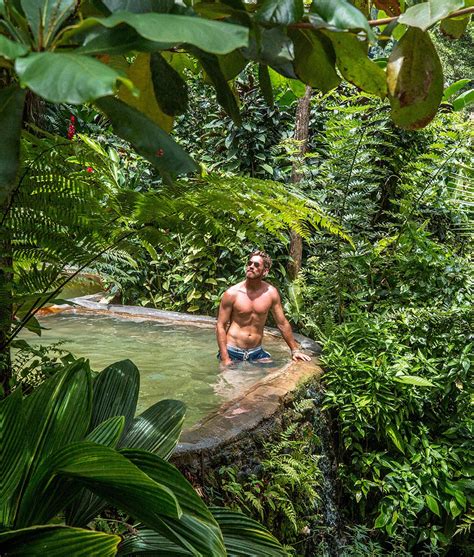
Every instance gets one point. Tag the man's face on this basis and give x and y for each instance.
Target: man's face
(254, 268)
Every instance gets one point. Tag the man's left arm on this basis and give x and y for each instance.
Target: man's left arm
(285, 329)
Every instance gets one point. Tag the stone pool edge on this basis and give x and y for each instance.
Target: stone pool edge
(233, 418)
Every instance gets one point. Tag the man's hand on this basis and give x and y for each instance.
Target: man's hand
(225, 362)
(301, 356)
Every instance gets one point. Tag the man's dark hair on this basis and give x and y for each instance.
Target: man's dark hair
(267, 260)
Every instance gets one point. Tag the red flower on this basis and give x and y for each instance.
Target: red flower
(90, 169)
(72, 118)
(159, 153)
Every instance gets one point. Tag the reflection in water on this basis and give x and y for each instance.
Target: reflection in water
(175, 361)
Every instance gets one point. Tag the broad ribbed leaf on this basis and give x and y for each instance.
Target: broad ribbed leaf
(280, 12)
(105, 472)
(225, 96)
(338, 15)
(173, 30)
(67, 78)
(108, 432)
(432, 504)
(58, 411)
(413, 380)
(115, 393)
(149, 542)
(45, 17)
(147, 138)
(196, 530)
(11, 49)
(415, 80)
(231, 64)
(140, 74)
(11, 118)
(118, 40)
(315, 60)
(157, 429)
(58, 541)
(244, 536)
(87, 505)
(354, 64)
(426, 14)
(170, 89)
(13, 444)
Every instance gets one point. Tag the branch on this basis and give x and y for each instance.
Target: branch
(385, 21)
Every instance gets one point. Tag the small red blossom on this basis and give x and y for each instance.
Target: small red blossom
(160, 153)
(71, 131)
(72, 118)
(90, 169)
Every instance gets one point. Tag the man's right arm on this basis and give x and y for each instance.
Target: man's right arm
(225, 312)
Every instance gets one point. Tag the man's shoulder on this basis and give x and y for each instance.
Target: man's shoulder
(234, 289)
(270, 288)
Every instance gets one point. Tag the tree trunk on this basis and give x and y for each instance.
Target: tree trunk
(6, 309)
(301, 135)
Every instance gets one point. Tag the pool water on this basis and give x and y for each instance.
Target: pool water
(175, 360)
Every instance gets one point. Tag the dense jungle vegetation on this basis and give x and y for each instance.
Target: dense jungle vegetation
(378, 460)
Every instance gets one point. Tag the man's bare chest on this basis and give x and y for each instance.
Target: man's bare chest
(246, 305)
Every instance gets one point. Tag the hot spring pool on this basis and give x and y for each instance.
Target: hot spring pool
(175, 360)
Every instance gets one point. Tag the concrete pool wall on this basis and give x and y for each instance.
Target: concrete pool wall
(234, 419)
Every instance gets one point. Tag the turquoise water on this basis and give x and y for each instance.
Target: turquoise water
(175, 361)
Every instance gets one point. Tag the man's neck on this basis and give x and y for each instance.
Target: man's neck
(253, 284)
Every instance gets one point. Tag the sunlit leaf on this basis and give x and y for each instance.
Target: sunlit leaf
(338, 15)
(426, 14)
(140, 74)
(413, 380)
(11, 49)
(432, 504)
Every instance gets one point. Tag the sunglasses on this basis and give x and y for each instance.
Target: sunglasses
(255, 264)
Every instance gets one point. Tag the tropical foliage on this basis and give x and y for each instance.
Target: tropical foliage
(74, 446)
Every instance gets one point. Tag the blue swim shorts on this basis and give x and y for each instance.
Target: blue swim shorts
(241, 355)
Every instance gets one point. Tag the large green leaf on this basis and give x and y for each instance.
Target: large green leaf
(140, 74)
(115, 393)
(139, 6)
(339, 15)
(45, 17)
(11, 49)
(157, 429)
(67, 78)
(273, 48)
(118, 40)
(454, 88)
(170, 89)
(173, 30)
(463, 100)
(13, 444)
(87, 505)
(12, 100)
(148, 139)
(354, 64)
(315, 60)
(280, 12)
(58, 411)
(415, 80)
(244, 536)
(105, 472)
(108, 433)
(197, 530)
(225, 96)
(149, 542)
(426, 14)
(57, 541)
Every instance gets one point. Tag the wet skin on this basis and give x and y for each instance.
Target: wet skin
(244, 310)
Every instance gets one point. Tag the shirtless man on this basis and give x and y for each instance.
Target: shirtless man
(243, 312)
